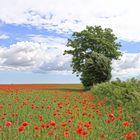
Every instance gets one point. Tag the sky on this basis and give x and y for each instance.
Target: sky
(34, 33)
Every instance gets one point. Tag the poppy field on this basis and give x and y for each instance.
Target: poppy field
(63, 113)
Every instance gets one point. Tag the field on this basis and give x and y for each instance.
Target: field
(57, 112)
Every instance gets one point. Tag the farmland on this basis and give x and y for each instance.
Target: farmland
(65, 111)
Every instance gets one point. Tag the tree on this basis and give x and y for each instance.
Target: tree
(97, 69)
(92, 39)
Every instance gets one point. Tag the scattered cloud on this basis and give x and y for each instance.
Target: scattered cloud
(41, 57)
(41, 53)
(35, 56)
(68, 16)
(127, 67)
(3, 36)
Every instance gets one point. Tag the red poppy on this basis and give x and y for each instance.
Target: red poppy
(52, 123)
(126, 123)
(79, 129)
(69, 120)
(24, 123)
(84, 133)
(108, 121)
(50, 133)
(43, 125)
(20, 129)
(66, 134)
(41, 117)
(48, 125)
(63, 124)
(112, 116)
(102, 136)
(8, 124)
(36, 127)
(129, 136)
(86, 125)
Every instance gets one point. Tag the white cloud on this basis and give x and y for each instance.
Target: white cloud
(35, 56)
(127, 67)
(64, 16)
(41, 57)
(3, 36)
(52, 41)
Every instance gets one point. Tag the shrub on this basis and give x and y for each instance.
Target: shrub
(120, 92)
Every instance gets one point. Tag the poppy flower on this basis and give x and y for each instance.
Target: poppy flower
(79, 129)
(102, 136)
(20, 129)
(66, 134)
(24, 123)
(52, 123)
(50, 133)
(8, 124)
(126, 123)
(108, 121)
(84, 133)
(63, 124)
(43, 125)
(129, 136)
(36, 127)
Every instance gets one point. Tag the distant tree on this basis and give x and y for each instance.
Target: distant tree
(84, 43)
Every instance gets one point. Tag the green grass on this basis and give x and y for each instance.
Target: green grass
(65, 105)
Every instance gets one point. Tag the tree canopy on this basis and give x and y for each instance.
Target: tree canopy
(97, 69)
(92, 39)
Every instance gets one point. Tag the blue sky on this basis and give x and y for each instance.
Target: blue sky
(33, 35)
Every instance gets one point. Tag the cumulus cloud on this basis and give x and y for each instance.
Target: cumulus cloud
(40, 57)
(66, 16)
(127, 67)
(35, 56)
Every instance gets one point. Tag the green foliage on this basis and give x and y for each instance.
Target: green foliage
(92, 39)
(97, 69)
(120, 92)
(84, 43)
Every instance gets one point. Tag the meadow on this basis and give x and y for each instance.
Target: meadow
(59, 112)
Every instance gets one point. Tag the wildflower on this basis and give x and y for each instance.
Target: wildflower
(43, 125)
(86, 125)
(111, 115)
(66, 134)
(102, 136)
(52, 123)
(126, 123)
(36, 127)
(69, 120)
(108, 121)
(4, 113)
(41, 117)
(20, 129)
(79, 129)
(84, 133)
(8, 124)
(97, 111)
(50, 133)
(63, 124)
(130, 135)
(24, 123)
(48, 107)
(48, 125)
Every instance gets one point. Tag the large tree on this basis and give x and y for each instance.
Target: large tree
(97, 69)
(92, 39)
